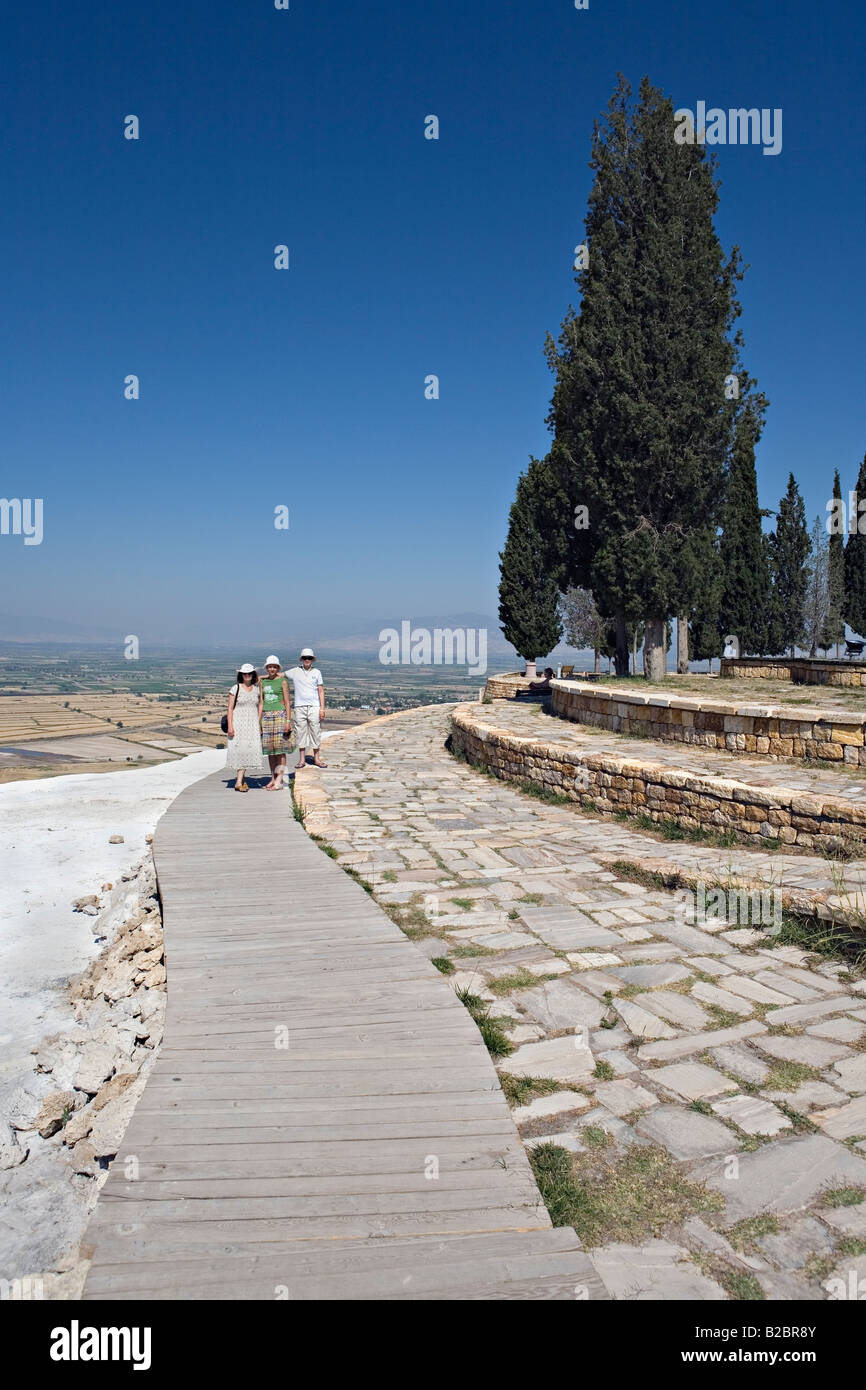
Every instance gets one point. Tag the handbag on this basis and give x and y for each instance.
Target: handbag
(224, 722)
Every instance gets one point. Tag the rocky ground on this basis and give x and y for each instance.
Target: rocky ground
(60, 1129)
(693, 1093)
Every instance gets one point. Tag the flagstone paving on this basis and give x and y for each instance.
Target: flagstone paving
(741, 1058)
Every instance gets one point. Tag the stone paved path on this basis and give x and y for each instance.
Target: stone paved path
(739, 1061)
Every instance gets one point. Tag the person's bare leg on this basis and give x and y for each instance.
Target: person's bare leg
(240, 779)
(317, 760)
(273, 760)
(279, 772)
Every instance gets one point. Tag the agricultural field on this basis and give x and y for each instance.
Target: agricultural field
(84, 709)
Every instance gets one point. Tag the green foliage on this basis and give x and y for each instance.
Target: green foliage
(642, 426)
(789, 552)
(834, 627)
(528, 594)
(745, 586)
(854, 607)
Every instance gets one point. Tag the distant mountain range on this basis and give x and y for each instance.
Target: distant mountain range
(362, 641)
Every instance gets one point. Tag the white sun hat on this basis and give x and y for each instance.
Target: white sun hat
(307, 651)
(273, 661)
(247, 668)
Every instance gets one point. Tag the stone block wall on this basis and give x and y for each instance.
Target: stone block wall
(802, 671)
(769, 731)
(613, 784)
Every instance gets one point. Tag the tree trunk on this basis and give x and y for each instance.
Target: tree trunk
(683, 646)
(621, 656)
(595, 655)
(654, 663)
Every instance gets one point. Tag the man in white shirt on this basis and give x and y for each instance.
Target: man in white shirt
(308, 707)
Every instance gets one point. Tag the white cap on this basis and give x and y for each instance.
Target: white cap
(308, 651)
(273, 661)
(246, 668)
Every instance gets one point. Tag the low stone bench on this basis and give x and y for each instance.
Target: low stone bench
(771, 731)
(694, 800)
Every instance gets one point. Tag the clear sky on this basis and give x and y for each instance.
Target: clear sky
(408, 256)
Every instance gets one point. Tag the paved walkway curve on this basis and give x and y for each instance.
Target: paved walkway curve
(316, 1073)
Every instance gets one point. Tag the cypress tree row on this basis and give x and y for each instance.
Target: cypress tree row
(854, 608)
(834, 627)
(744, 602)
(528, 595)
(641, 421)
(789, 553)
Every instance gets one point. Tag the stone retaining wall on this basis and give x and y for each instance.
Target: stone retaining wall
(802, 671)
(614, 784)
(765, 730)
(505, 687)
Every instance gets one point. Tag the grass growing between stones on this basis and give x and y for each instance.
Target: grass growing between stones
(518, 979)
(608, 1197)
(495, 1039)
(745, 1235)
(833, 940)
(844, 1196)
(520, 1090)
(787, 1076)
(443, 965)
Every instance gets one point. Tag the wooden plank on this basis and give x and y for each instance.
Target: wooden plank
(309, 1166)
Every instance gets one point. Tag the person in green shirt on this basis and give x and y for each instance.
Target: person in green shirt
(276, 721)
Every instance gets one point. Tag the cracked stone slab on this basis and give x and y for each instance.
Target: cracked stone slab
(782, 1177)
(722, 998)
(686, 1133)
(743, 1063)
(838, 1030)
(546, 1107)
(641, 1022)
(669, 1049)
(648, 976)
(811, 1052)
(792, 1248)
(852, 1073)
(844, 1122)
(848, 1221)
(559, 1004)
(810, 1095)
(622, 1097)
(674, 1008)
(752, 1115)
(692, 1080)
(563, 1059)
(819, 1008)
(657, 1270)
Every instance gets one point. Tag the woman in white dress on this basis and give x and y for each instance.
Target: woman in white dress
(244, 727)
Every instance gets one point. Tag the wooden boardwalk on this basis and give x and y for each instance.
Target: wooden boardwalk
(323, 1119)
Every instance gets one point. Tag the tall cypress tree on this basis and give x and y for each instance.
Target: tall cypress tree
(834, 628)
(789, 552)
(854, 608)
(745, 574)
(528, 595)
(641, 422)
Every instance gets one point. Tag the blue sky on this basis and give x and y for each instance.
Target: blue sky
(408, 257)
